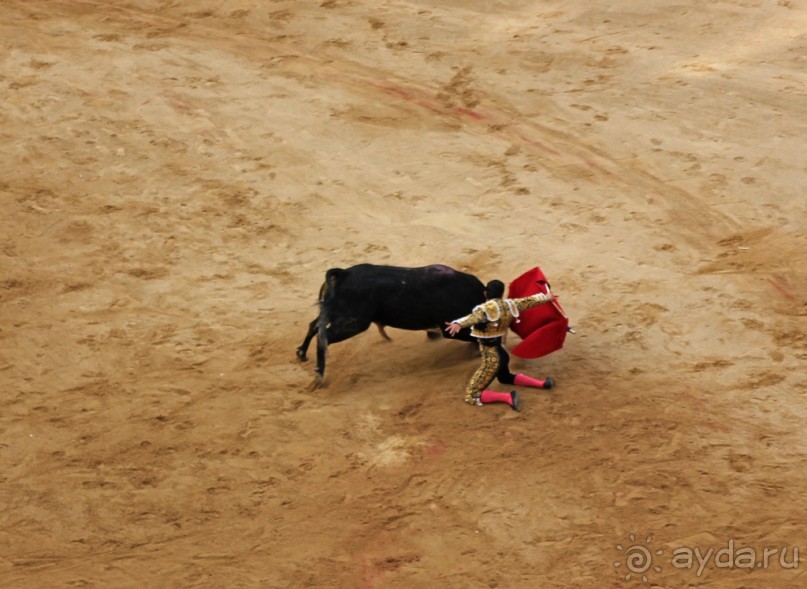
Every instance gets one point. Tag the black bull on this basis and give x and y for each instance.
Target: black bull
(405, 298)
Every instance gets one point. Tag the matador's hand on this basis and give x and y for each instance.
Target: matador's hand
(453, 328)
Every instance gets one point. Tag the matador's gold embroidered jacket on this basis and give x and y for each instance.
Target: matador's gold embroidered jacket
(492, 318)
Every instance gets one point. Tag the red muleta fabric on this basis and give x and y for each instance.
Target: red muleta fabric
(543, 328)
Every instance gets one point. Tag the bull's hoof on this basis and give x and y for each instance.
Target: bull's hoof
(319, 380)
(301, 355)
(316, 383)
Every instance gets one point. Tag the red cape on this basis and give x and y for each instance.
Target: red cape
(542, 328)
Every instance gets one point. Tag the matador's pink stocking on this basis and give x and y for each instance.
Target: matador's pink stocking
(510, 398)
(522, 380)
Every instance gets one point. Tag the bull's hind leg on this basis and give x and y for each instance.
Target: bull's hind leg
(302, 351)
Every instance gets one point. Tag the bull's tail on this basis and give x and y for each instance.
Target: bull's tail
(326, 295)
(322, 332)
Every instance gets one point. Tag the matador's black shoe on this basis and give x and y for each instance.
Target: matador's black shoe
(549, 382)
(515, 400)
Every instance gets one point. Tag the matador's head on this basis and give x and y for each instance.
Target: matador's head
(494, 289)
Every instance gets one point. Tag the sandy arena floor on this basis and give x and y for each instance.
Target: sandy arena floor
(176, 178)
